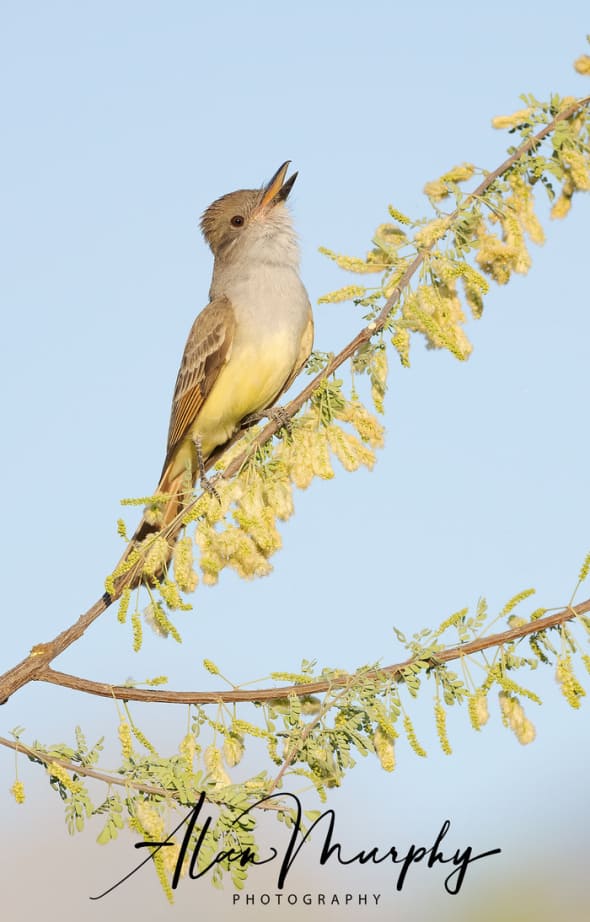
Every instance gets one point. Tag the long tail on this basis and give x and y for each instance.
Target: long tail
(157, 519)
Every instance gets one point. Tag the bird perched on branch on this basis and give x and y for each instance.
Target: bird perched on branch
(244, 348)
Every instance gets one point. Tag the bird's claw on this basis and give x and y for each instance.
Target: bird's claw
(275, 414)
(204, 481)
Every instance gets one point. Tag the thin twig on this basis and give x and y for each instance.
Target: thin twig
(77, 769)
(162, 696)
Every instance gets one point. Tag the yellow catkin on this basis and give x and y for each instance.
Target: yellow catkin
(244, 726)
(184, 572)
(137, 631)
(121, 529)
(379, 379)
(570, 687)
(577, 165)
(436, 189)
(398, 216)
(188, 748)
(401, 342)
(211, 667)
(385, 749)
(156, 554)
(582, 65)
(124, 732)
(353, 263)
(366, 424)
(584, 569)
(441, 728)
(513, 716)
(213, 763)
(171, 595)
(511, 121)
(349, 450)
(233, 750)
(431, 232)
(320, 455)
(278, 496)
(124, 606)
(412, 738)
(389, 237)
(18, 792)
(348, 293)
(478, 710)
(150, 819)
(58, 771)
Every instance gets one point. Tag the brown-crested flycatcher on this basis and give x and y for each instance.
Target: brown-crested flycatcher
(246, 346)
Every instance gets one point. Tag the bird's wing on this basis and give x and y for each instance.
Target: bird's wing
(304, 352)
(207, 351)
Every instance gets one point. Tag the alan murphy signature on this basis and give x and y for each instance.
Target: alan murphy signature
(456, 863)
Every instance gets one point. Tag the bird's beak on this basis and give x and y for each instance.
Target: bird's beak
(277, 190)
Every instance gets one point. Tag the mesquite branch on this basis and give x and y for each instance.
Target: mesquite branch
(36, 665)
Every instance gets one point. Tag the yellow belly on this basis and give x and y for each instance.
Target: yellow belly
(250, 382)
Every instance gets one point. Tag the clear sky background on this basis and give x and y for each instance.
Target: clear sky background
(121, 123)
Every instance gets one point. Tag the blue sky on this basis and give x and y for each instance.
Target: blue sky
(122, 122)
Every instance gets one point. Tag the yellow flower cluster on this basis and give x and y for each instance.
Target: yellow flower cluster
(355, 263)
(582, 65)
(513, 716)
(564, 202)
(124, 732)
(500, 258)
(522, 205)
(233, 749)
(257, 518)
(124, 606)
(512, 121)
(18, 792)
(55, 770)
(570, 687)
(231, 547)
(440, 716)
(401, 342)
(150, 820)
(157, 552)
(385, 749)
(260, 497)
(213, 763)
(188, 748)
(435, 311)
(578, 168)
(368, 426)
(348, 293)
(477, 707)
(435, 230)
(412, 738)
(184, 572)
(170, 592)
(439, 189)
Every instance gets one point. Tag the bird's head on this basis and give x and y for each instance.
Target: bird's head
(251, 221)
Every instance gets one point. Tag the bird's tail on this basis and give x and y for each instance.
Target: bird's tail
(162, 517)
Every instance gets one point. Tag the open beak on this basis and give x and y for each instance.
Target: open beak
(277, 190)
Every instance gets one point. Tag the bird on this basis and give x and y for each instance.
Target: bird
(245, 347)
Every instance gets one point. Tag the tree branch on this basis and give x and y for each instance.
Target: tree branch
(121, 781)
(148, 695)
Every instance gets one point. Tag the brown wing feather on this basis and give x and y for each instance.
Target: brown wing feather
(207, 350)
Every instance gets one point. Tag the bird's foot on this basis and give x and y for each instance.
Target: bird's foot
(275, 414)
(204, 481)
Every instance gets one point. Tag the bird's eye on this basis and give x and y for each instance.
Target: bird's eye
(237, 220)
